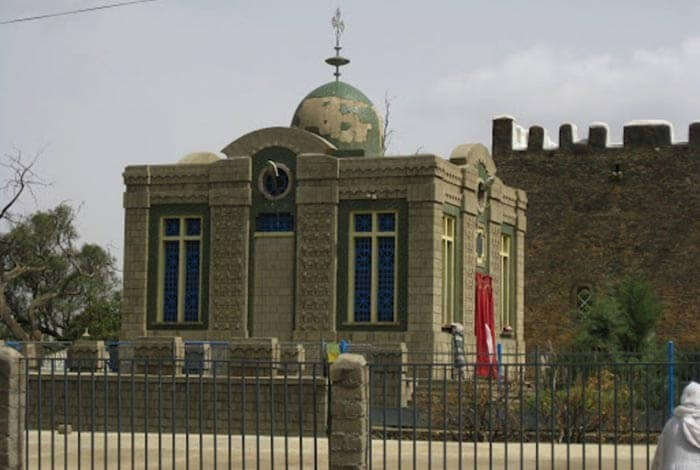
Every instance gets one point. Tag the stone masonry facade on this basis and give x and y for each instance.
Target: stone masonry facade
(295, 287)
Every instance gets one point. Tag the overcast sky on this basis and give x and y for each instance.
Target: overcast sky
(151, 82)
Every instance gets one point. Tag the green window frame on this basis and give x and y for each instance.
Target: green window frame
(507, 298)
(448, 239)
(346, 210)
(178, 267)
(369, 289)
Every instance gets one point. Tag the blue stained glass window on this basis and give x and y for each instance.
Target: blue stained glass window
(172, 227)
(274, 222)
(192, 280)
(172, 258)
(387, 222)
(385, 279)
(194, 226)
(363, 279)
(363, 222)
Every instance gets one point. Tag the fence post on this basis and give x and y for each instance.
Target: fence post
(12, 403)
(348, 440)
(671, 379)
(499, 349)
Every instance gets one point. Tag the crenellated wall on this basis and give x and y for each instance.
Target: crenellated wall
(598, 212)
(507, 136)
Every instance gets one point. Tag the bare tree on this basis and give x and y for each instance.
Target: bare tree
(41, 270)
(388, 131)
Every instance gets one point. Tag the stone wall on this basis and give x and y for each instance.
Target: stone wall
(592, 227)
(273, 298)
(182, 402)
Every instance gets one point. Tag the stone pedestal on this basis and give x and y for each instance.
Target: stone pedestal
(254, 356)
(349, 413)
(292, 357)
(87, 355)
(388, 375)
(197, 358)
(164, 355)
(12, 409)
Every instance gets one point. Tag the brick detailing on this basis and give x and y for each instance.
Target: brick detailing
(347, 446)
(12, 409)
(229, 266)
(316, 235)
(203, 402)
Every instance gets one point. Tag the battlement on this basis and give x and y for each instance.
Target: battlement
(507, 136)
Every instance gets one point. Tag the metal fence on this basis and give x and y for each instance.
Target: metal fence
(156, 414)
(575, 411)
(573, 414)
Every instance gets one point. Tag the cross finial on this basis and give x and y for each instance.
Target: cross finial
(338, 25)
(337, 61)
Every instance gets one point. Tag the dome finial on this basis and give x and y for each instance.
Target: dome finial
(337, 61)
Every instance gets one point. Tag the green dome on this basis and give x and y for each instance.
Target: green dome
(343, 115)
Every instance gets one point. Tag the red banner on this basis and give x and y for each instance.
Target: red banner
(487, 362)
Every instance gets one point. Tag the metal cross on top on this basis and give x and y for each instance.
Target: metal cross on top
(337, 61)
(338, 26)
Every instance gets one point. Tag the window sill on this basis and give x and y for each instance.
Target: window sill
(361, 323)
(177, 325)
(273, 234)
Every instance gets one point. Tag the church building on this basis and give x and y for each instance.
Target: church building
(309, 232)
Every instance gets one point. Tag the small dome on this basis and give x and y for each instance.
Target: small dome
(199, 158)
(344, 116)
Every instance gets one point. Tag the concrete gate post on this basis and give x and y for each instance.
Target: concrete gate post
(349, 404)
(12, 395)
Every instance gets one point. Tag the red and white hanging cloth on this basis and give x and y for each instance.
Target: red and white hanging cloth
(487, 362)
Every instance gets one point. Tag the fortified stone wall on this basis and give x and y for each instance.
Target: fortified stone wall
(599, 212)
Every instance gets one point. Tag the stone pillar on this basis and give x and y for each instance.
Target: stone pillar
(348, 444)
(12, 409)
(317, 235)
(251, 356)
(136, 205)
(230, 200)
(87, 355)
(198, 358)
(166, 354)
(292, 357)
(389, 373)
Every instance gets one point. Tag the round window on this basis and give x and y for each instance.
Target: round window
(274, 180)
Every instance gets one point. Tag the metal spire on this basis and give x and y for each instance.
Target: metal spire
(337, 61)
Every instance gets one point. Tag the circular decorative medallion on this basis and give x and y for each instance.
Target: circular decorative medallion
(275, 180)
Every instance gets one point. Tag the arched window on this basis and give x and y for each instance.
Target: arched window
(584, 299)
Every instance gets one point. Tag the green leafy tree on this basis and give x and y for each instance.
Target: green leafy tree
(49, 286)
(641, 311)
(621, 318)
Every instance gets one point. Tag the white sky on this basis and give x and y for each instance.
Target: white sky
(152, 82)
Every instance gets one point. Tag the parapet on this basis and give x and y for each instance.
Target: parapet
(507, 136)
